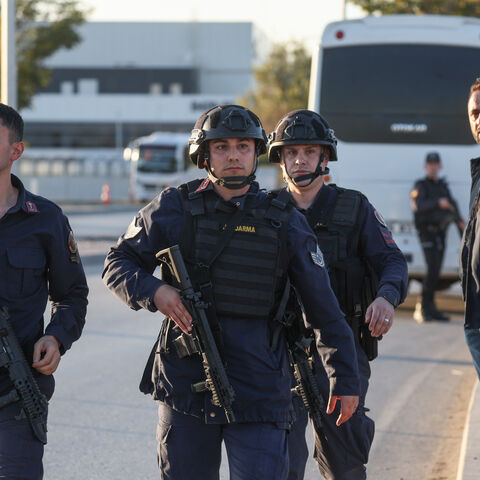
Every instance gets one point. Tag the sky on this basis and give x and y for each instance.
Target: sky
(279, 20)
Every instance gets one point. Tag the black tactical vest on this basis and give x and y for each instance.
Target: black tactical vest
(249, 274)
(337, 229)
(437, 217)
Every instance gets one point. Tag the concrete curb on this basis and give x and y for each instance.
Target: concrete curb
(468, 465)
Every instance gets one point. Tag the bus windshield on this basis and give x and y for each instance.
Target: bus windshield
(158, 159)
(385, 94)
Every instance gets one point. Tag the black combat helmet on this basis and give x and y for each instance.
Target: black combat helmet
(226, 121)
(301, 127)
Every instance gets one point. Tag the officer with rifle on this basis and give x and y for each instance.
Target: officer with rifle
(368, 274)
(434, 209)
(38, 261)
(226, 249)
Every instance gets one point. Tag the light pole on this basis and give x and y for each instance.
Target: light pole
(8, 54)
(345, 9)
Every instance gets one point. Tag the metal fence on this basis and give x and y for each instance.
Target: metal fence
(74, 175)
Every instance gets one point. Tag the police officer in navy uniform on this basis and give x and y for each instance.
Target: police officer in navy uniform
(38, 260)
(270, 240)
(367, 271)
(434, 209)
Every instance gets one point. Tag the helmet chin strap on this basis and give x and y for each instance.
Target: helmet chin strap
(234, 182)
(310, 176)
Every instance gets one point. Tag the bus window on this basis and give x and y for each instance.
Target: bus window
(394, 93)
(159, 159)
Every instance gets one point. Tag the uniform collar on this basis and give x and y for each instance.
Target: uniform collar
(24, 200)
(238, 201)
(475, 166)
(321, 198)
(431, 180)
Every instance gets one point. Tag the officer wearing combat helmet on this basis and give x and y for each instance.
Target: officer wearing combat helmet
(434, 209)
(368, 274)
(255, 242)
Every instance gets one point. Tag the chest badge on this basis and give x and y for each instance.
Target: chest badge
(245, 228)
(317, 257)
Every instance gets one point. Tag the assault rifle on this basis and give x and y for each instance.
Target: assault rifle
(216, 382)
(299, 341)
(307, 386)
(34, 403)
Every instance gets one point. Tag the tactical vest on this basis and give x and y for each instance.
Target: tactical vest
(437, 217)
(338, 229)
(248, 274)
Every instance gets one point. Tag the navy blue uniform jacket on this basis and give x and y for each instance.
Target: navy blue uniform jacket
(39, 259)
(376, 246)
(259, 376)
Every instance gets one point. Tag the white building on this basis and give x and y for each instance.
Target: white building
(125, 80)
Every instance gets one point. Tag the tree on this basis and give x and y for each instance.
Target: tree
(467, 8)
(43, 27)
(281, 83)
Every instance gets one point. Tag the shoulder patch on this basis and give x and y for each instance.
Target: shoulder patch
(73, 248)
(133, 230)
(317, 257)
(203, 185)
(387, 238)
(72, 243)
(380, 219)
(31, 207)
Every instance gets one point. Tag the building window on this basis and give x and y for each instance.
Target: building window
(66, 88)
(175, 88)
(156, 88)
(87, 86)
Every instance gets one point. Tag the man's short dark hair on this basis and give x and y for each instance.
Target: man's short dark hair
(475, 87)
(432, 157)
(11, 119)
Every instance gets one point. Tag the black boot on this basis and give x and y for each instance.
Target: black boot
(439, 316)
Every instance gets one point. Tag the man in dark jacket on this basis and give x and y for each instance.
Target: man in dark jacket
(470, 251)
(434, 209)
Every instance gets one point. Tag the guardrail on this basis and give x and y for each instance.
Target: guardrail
(74, 175)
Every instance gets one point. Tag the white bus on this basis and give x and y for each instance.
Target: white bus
(157, 161)
(395, 88)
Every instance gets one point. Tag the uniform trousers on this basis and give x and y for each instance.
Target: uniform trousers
(433, 245)
(21, 452)
(341, 452)
(188, 448)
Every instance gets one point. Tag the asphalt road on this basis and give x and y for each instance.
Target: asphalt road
(102, 427)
